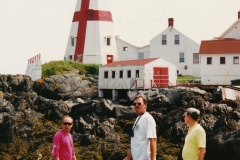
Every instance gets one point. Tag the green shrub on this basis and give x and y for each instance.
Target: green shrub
(59, 67)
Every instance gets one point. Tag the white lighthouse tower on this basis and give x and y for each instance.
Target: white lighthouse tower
(92, 38)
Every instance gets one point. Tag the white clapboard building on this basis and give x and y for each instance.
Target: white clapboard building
(136, 74)
(92, 40)
(220, 57)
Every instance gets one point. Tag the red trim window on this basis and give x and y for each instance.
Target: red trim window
(235, 60)
(222, 60)
(209, 60)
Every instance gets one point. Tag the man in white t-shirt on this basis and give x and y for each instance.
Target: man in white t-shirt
(143, 135)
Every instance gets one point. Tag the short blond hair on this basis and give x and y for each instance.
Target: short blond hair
(143, 98)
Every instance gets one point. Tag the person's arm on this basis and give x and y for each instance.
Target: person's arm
(153, 148)
(74, 158)
(201, 154)
(129, 156)
(55, 150)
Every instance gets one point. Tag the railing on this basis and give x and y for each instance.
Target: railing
(189, 82)
(149, 83)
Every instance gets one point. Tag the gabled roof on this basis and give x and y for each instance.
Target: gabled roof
(117, 38)
(169, 29)
(139, 62)
(220, 46)
(230, 28)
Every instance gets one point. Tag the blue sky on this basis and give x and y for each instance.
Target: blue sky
(31, 27)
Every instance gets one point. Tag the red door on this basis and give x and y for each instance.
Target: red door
(160, 75)
(109, 59)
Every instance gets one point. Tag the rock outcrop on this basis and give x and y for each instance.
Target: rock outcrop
(29, 117)
(67, 86)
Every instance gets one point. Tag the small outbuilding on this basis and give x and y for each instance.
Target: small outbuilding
(135, 74)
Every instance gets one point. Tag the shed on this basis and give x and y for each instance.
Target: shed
(136, 74)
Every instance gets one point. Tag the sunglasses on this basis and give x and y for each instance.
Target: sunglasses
(67, 124)
(137, 104)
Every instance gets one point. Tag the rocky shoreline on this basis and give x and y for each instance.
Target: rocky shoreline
(30, 114)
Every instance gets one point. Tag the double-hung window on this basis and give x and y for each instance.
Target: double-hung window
(235, 60)
(177, 40)
(181, 57)
(108, 41)
(164, 39)
(195, 58)
(140, 55)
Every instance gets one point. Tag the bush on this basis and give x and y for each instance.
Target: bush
(59, 67)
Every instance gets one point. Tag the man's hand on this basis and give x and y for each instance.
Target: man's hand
(153, 148)
(201, 154)
(129, 156)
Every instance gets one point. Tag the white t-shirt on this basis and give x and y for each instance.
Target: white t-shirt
(140, 144)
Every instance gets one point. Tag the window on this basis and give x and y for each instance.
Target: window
(177, 71)
(70, 57)
(181, 57)
(235, 60)
(105, 74)
(108, 41)
(137, 73)
(113, 74)
(209, 60)
(196, 58)
(90, 15)
(176, 39)
(125, 48)
(120, 74)
(140, 55)
(222, 60)
(128, 74)
(164, 39)
(72, 41)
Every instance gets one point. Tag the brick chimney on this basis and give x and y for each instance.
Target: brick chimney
(170, 21)
(238, 14)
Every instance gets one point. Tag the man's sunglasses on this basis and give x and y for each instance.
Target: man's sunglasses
(137, 104)
(67, 124)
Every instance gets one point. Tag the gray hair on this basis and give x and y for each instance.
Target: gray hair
(194, 113)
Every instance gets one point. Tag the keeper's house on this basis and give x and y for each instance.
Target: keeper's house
(118, 76)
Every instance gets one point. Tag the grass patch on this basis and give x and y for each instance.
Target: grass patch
(59, 67)
(187, 79)
(179, 77)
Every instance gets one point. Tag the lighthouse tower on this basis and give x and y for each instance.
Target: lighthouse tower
(92, 38)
